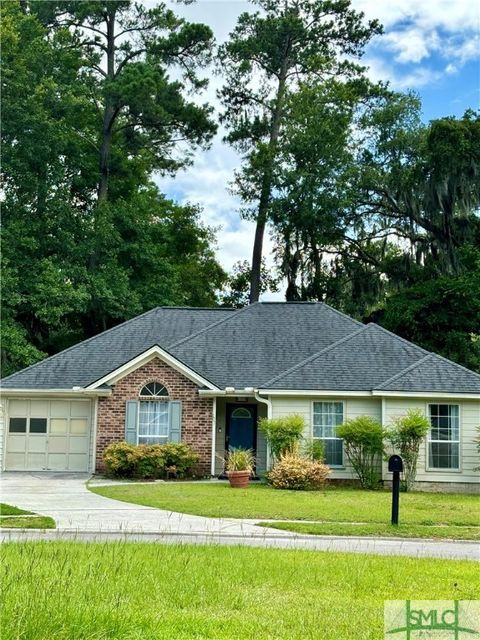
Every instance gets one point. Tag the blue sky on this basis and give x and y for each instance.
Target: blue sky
(429, 46)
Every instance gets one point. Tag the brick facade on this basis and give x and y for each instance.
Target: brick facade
(197, 413)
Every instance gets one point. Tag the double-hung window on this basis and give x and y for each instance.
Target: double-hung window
(153, 415)
(327, 416)
(444, 436)
(153, 422)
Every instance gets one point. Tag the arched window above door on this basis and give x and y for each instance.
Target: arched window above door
(154, 390)
(241, 412)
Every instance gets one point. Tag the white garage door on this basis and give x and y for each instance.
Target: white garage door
(48, 435)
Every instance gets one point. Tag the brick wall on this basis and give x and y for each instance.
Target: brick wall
(197, 413)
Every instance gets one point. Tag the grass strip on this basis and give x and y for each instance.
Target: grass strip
(447, 532)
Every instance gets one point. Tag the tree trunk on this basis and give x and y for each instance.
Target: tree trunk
(267, 180)
(109, 113)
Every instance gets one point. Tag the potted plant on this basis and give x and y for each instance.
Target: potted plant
(239, 464)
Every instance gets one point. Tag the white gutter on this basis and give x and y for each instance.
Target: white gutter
(75, 391)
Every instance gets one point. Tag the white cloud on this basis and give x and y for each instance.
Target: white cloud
(416, 78)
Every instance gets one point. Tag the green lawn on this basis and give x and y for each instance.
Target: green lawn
(126, 591)
(377, 529)
(8, 510)
(334, 504)
(17, 519)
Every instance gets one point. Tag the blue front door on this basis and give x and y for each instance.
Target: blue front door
(241, 426)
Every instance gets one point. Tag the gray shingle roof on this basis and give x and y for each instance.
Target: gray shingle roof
(88, 361)
(266, 345)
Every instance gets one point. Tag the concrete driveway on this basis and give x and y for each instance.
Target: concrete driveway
(83, 515)
(65, 497)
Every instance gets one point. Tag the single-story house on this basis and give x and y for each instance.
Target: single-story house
(205, 376)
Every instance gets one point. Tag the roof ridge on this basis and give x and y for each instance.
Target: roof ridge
(77, 344)
(211, 326)
(456, 364)
(403, 372)
(315, 355)
(390, 333)
(344, 315)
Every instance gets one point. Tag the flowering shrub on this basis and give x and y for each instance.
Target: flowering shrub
(124, 460)
(300, 474)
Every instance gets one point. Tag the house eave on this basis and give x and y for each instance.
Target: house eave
(426, 394)
(74, 391)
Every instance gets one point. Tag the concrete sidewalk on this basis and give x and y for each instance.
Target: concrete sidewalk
(83, 515)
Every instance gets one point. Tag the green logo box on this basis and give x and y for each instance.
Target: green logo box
(431, 619)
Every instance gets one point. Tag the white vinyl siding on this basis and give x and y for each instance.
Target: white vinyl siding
(469, 420)
(352, 407)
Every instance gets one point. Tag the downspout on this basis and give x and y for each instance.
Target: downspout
(268, 402)
(214, 435)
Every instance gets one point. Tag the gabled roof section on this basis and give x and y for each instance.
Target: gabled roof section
(262, 341)
(90, 360)
(154, 352)
(360, 362)
(434, 374)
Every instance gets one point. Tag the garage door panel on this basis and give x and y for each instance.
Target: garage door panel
(16, 443)
(15, 460)
(57, 444)
(57, 461)
(60, 409)
(18, 408)
(37, 444)
(78, 444)
(58, 426)
(36, 461)
(80, 409)
(77, 462)
(78, 426)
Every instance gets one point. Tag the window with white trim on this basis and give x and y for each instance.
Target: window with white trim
(153, 422)
(444, 436)
(327, 416)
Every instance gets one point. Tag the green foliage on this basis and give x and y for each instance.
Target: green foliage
(240, 460)
(124, 460)
(407, 434)
(88, 240)
(283, 434)
(178, 458)
(314, 449)
(237, 286)
(363, 441)
(293, 472)
(441, 314)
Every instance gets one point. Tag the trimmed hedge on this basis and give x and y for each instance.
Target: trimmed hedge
(149, 461)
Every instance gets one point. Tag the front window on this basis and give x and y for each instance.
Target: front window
(327, 416)
(153, 422)
(444, 436)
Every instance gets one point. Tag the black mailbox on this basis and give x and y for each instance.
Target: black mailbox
(395, 463)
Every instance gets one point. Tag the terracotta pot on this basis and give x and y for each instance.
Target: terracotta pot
(239, 479)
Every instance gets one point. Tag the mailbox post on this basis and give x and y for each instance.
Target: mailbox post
(395, 465)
